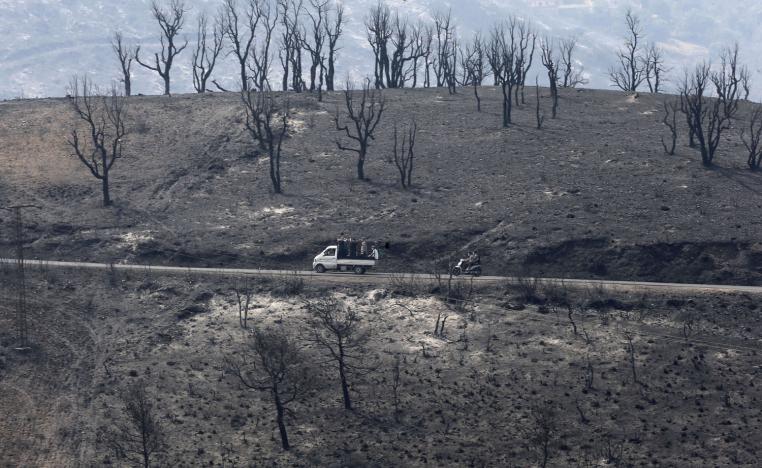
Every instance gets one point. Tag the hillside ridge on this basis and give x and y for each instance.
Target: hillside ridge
(591, 194)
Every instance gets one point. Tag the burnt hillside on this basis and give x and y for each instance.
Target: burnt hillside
(592, 194)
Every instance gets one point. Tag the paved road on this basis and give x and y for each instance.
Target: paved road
(384, 278)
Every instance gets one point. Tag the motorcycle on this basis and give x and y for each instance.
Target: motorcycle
(464, 268)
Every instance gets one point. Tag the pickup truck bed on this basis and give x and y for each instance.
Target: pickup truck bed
(328, 260)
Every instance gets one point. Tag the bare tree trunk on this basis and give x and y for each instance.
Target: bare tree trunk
(538, 112)
(105, 189)
(670, 120)
(361, 162)
(753, 143)
(280, 413)
(343, 378)
(507, 102)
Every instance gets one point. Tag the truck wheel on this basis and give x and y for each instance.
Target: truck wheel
(319, 269)
(359, 270)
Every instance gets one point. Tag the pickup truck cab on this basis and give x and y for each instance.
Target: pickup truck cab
(329, 259)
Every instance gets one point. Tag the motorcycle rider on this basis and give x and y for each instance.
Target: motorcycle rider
(475, 260)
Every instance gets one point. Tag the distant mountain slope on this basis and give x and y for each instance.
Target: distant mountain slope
(46, 41)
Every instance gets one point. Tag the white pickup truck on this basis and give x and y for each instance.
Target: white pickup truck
(329, 259)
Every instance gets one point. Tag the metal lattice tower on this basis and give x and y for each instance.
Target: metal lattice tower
(22, 326)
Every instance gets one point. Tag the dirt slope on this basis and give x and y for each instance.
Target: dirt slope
(589, 195)
(466, 396)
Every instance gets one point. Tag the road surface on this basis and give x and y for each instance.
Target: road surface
(384, 278)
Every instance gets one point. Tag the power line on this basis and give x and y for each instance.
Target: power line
(22, 327)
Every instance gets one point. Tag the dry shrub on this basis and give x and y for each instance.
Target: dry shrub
(287, 285)
(556, 293)
(407, 285)
(460, 292)
(527, 288)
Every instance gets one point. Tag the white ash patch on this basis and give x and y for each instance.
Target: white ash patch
(297, 126)
(275, 210)
(727, 354)
(302, 121)
(554, 193)
(134, 239)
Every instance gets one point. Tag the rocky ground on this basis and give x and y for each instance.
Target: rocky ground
(592, 194)
(624, 380)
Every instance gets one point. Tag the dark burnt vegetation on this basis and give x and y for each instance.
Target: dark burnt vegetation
(584, 375)
(305, 37)
(536, 372)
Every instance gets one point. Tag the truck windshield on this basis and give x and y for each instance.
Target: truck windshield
(329, 253)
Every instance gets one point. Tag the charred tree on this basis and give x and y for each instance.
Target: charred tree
(268, 132)
(270, 361)
(526, 44)
(688, 117)
(240, 27)
(101, 144)
(340, 333)
(473, 66)
(171, 20)
(404, 154)
(208, 47)
(428, 62)
(630, 72)
(401, 42)
(125, 55)
(244, 292)
(671, 109)
(572, 74)
(379, 31)
(261, 56)
(333, 30)
(708, 118)
(754, 140)
(655, 69)
(542, 433)
(551, 62)
(745, 76)
(291, 41)
(365, 116)
(422, 36)
(502, 59)
(314, 46)
(397, 47)
(138, 435)
(446, 59)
